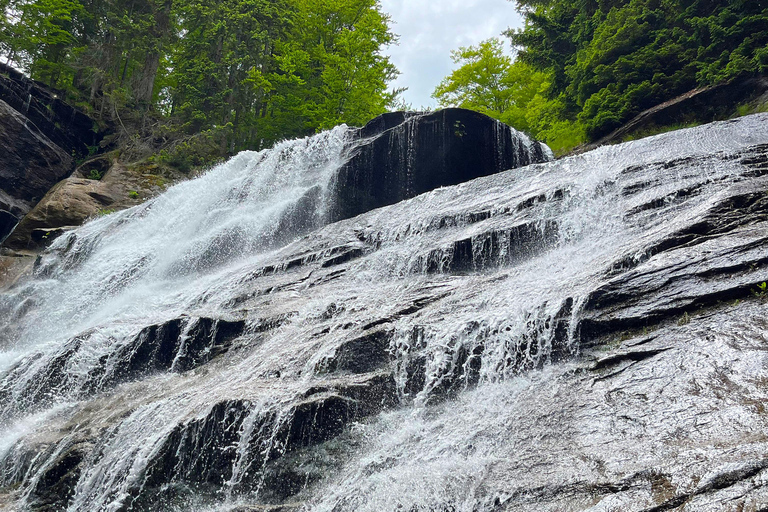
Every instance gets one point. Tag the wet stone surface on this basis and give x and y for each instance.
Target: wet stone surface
(588, 334)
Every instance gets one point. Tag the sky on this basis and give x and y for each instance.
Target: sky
(430, 29)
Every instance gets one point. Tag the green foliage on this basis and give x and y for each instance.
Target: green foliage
(133, 194)
(252, 71)
(38, 35)
(482, 81)
(196, 151)
(611, 59)
(548, 121)
(745, 110)
(269, 70)
(330, 69)
(489, 81)
(95, 174)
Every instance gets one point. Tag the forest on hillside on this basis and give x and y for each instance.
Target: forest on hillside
(243, 72)
(217, 77)
(585, 67)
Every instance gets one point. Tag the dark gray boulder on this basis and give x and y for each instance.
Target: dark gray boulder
(410, 153)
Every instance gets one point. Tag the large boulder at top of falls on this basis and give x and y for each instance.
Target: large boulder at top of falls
(407, 154)
(30, 165)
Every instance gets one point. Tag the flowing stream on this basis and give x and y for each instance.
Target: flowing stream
(476, 289)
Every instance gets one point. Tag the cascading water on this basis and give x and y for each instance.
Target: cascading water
(192, 352)
(139, 263)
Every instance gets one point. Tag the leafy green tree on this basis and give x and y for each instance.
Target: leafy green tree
(483, 81)
(489, 81)
(331, 69)
(611, 59)
(219, 66)
(38, 36)
(269, 70)
(247, 71)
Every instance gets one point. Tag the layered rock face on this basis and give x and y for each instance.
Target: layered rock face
(74, 200)
(585, 334)
(41, 137)
(62, 124)
(31, 165)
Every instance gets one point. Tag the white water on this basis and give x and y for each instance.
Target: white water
(152, 259)
(197, 247)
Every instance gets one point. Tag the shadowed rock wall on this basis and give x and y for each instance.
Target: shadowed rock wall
(40, 136)
(409, 154)
(64, 125)
(31, 164)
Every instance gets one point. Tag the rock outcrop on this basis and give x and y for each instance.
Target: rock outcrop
(62, 124)
(30, 166)
(41, 136)
(76, 199)
(586, 334)
(700, 105)
(407, 154)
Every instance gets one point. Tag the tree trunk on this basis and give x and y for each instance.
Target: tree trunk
(144, 85)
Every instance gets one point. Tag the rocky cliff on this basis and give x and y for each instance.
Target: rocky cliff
(586, 334)
(42, 136)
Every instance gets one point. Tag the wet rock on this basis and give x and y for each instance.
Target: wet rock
(410, 154)
(57, 481)
(679, 409)
(64, 125)
(31, 163)
(360, 355)
(178, 345)
(270, 438)
(580, 347)
(679, 280)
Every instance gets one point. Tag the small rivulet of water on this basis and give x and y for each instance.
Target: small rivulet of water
(221, 345)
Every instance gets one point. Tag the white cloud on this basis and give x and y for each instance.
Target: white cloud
(429, 30)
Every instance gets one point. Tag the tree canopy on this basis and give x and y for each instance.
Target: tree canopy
(611, 59)
(254, 70)
(584, 67)
(490, 81)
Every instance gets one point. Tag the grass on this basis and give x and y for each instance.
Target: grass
(657, 130)
(751, 108)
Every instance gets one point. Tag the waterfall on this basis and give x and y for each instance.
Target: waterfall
(150, 261)
(224, 345)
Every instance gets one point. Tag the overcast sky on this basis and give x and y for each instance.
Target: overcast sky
(430, 29)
